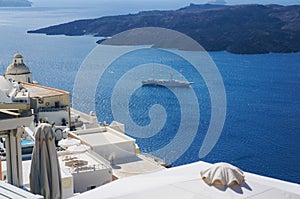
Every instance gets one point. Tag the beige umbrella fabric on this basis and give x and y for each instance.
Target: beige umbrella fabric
(222, 174)
(45, 177)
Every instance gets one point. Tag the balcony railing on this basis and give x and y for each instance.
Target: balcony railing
(52, 109)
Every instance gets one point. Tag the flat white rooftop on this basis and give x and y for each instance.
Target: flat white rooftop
(82, 162)
(37, 90)
(185, 182)
(138, 164)
(104, 138)
(127, 162)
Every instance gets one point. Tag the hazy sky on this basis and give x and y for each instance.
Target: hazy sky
(152, 3)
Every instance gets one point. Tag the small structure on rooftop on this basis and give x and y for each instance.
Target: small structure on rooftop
(222, 174)
(217, 2)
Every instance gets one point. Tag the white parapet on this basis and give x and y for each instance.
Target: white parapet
(10, 191)
(87, 169)
(8, 124)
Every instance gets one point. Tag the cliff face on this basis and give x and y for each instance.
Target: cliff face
(238, 29)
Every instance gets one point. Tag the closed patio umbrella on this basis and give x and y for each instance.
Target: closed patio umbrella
(45, 177)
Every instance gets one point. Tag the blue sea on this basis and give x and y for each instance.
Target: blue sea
(261, 133)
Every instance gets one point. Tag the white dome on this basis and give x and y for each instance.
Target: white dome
(18, 55)
(17, 67)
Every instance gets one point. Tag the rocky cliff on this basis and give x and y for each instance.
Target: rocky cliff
(244, 29)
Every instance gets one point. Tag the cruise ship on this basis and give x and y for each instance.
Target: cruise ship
(166, 82)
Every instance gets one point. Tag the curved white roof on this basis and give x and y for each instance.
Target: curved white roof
(17, 67)
(18, 55)
(185, 182)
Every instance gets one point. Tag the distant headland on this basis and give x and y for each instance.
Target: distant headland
(15, 3)
(241, 29)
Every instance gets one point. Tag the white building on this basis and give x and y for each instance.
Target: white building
(14, 114)
(49, 104)
(12, 92)
(111, 142)
(18, 71)
(87, 170)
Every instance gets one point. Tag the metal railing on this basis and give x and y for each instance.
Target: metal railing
(52, 109)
